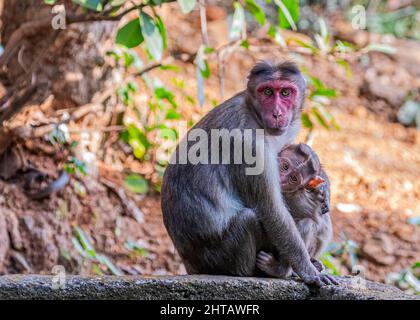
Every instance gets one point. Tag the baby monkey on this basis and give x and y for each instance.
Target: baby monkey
(306, 191)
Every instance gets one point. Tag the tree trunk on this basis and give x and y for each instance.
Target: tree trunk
(67, 64)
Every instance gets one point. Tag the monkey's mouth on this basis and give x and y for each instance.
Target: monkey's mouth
(280, 126)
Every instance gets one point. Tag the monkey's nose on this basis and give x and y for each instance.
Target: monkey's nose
(277, 115)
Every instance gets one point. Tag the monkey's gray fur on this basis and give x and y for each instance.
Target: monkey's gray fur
(218, 217)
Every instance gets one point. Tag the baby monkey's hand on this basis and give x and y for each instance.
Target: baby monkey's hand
(319, 189)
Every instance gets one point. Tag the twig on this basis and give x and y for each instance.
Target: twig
(105, 129)
(16, 104)
(309, 140)
(149, 68)
(128, 204)
(203, 21)
(223, 52)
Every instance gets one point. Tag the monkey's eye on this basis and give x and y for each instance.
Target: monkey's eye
(284, 166)
(285, 92)
(293, 179)
(268, 91)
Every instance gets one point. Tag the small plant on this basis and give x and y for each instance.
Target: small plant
(75, 165)
(346, 251)
(319, 98)
(87, 251)
(407, 279)
(136, 249)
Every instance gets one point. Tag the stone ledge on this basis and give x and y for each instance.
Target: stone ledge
(188, 287)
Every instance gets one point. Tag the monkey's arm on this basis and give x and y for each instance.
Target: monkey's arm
(325, 189)
(265, 194)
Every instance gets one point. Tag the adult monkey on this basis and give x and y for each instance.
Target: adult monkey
(218, 216)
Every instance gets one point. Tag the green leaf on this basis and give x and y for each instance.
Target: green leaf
(116, 3)
(83, 240)
(162, 93)
(330, 117)
(97, 270)
(136, 134)
(343, 46)
(132, 246)
(316, 82)
(256, 11)
(325, 92)
(136, 183)
(208, 50)
(238, 21)
(245, 43)
(327, 260)
(275, 34)
(380, 47)
(206, 72)
(320, 118)
(305, 45)
(169, 67)
(152, 36)
(288, 13)
(130, 34)
(111, 267)
(162, 30)
(187, 5)
(79, 248)
(306, 121)
(343, 63)
(201, 63)
(172, 114)
(95, 5)
(168, 133)
(50, 2)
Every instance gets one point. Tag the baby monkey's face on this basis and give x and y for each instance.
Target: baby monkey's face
(299, 167)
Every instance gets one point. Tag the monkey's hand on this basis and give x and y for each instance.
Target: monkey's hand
(314, 277)
(314, 201)
(317, 264)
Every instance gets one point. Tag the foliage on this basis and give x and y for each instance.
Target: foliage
(87, 251)
(75, 165)
(402, 22)
(407, 279)
(154, 125)
(346, 252)
(136, 183)
(59, 136)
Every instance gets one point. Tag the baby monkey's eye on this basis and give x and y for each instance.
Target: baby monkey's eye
(268, 91)
(293, 179)
(285, 92)
(285, 166)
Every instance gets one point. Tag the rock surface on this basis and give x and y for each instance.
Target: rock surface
(188, 287)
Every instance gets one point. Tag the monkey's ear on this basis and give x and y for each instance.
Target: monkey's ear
(304, 149)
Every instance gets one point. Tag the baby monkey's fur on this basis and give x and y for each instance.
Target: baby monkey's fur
(306, 189)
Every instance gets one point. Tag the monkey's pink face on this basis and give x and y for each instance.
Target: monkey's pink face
(277, 99)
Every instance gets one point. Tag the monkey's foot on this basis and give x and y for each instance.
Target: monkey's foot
(269, 265)
(317, 264)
